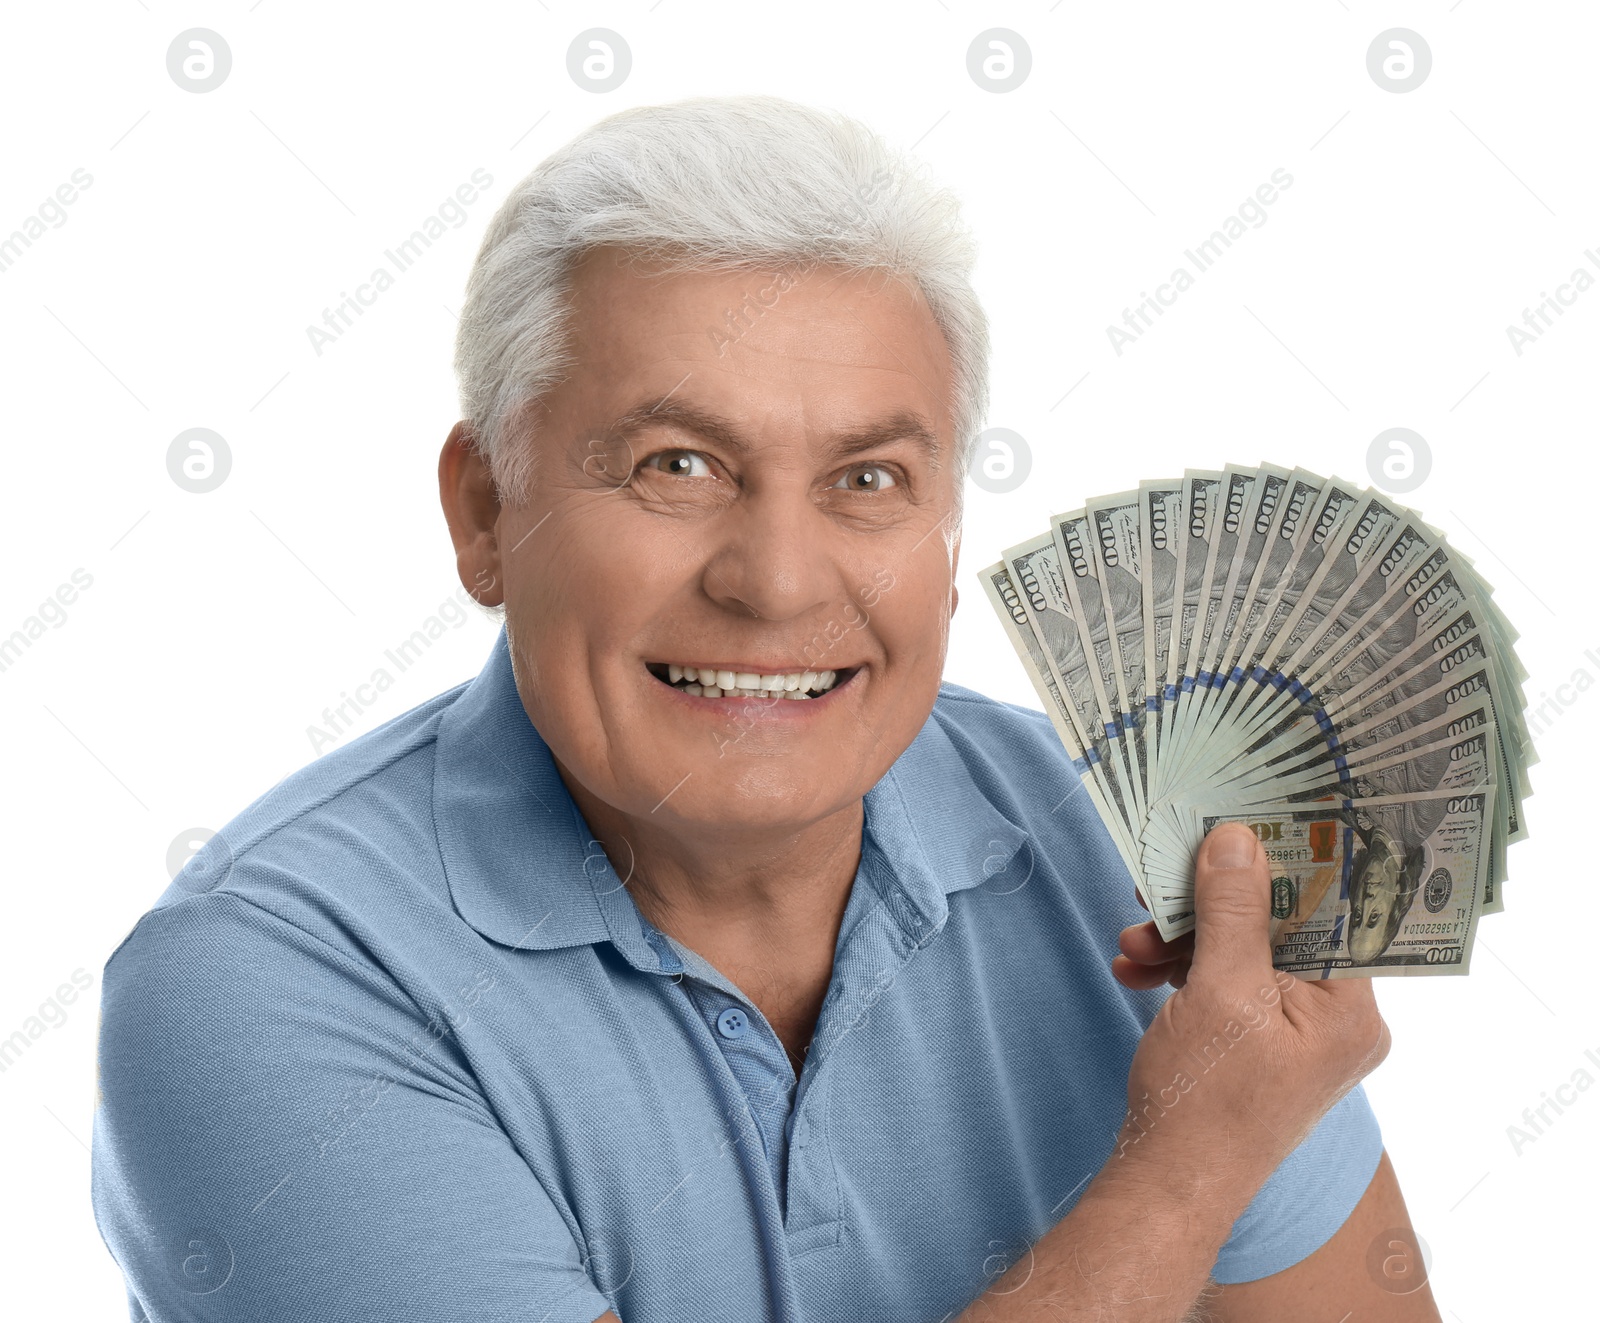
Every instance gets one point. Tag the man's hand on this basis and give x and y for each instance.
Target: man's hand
(1235, 1070)
(1242, 1060)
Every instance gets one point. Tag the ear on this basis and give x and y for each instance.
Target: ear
(955, 559)
(472, 510)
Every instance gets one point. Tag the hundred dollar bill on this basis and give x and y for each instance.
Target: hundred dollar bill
(1386, 885)
(1253, 524)
(1503, 637)
(1114, 526)
(1199, 526)
(1418, 597)
(1008, 605)
(1253, 641)
(1445, 752)
(1236, 493)
(1446, 748)
(1405, 602)
(1035, 571)
(1338, 508)
(1290, 524)
(1374, 598)
(1160, 515)
(1072, 534)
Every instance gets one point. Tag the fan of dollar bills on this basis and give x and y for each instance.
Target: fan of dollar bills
(1302, 655)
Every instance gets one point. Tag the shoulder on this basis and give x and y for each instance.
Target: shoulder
(381, 763)
(347, 835)
(1068, 873)
(1016, 761)
(987, 727)
(316, 908)
(1012, 754)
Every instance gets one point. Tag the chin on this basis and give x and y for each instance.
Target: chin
(767, 793)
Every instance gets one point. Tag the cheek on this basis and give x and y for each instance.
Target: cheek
(576, 599)
(559, 632)
(913, 633)
(913, 623)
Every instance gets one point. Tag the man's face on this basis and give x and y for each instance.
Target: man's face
(749, 473)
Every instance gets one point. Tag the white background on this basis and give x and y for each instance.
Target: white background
(219, 626)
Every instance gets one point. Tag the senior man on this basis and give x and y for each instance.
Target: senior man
(705, 957)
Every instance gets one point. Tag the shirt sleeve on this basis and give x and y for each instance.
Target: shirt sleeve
(1308, 1197)
(279, 1135)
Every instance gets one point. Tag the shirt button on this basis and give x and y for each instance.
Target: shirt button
(733, 1023)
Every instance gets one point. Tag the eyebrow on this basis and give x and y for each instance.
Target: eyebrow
(904, 424)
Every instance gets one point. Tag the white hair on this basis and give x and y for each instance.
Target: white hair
(709, 183)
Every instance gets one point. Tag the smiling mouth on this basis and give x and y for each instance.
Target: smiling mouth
(726, 682)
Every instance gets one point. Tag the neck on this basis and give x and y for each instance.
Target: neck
(712, 883)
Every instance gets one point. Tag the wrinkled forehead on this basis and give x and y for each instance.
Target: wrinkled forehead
(850, 345)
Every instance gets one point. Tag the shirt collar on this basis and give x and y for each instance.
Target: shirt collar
(524, 870)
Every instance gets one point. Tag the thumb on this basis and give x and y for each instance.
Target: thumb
(1232, 901)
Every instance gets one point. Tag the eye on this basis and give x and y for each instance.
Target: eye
(867, 478)
(680, 463)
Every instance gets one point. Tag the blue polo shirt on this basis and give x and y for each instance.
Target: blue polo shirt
(397, 1044)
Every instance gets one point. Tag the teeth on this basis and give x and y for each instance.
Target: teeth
(712, 682)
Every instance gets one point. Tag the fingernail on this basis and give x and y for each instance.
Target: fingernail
(1230, 849)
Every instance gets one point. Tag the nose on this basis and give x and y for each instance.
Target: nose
(773, 558)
